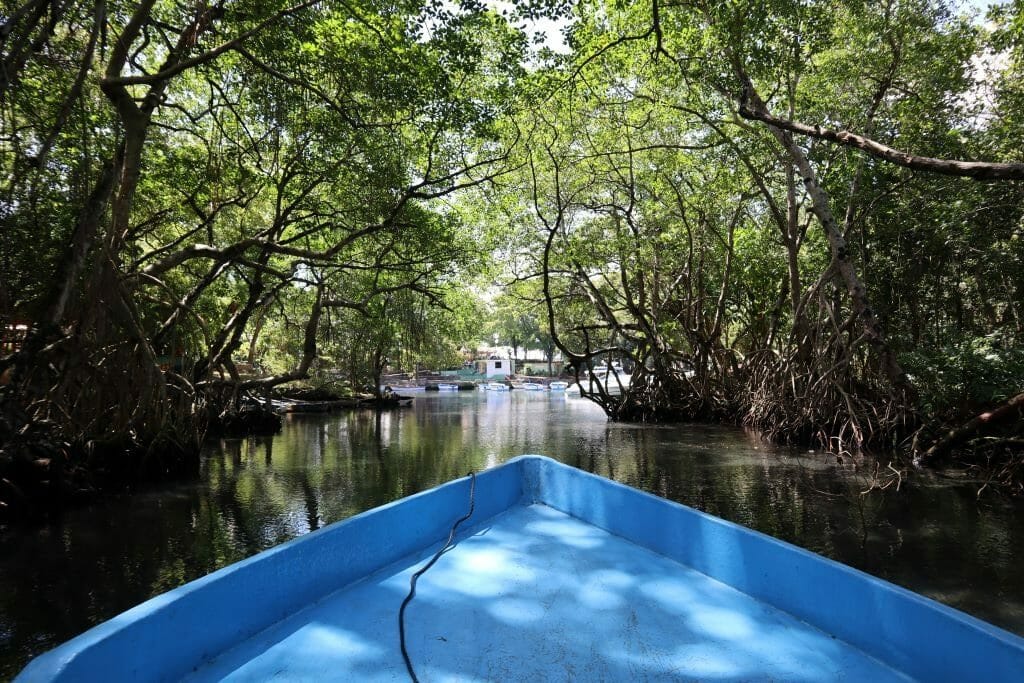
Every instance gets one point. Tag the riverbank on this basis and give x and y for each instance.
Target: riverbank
(42, 476)
(42, 481)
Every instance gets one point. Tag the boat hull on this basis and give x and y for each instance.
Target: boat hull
(385, 402)
(561, 574)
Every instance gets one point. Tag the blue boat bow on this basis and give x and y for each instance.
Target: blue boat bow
(558, 574)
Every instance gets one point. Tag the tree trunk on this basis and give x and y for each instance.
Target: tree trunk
(955, 437)
(86, 228)
(820, 205)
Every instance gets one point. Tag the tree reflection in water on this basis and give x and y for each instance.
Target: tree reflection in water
(255, 493)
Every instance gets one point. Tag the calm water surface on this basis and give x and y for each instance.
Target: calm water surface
(933, 536)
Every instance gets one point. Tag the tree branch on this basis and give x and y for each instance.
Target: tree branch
(185, 64)
(978, 170)
(1012, 407)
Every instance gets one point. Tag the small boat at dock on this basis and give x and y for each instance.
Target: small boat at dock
(384, 402)
(441, 386)
(558, 386)
(297, 406)
(548, 573)
(613, 383)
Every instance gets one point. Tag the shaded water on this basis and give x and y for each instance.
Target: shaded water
(933, 536)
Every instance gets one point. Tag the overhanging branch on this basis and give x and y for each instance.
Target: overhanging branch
(978, 170)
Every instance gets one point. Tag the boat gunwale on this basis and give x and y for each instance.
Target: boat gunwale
(84, 657)
(905, 630)
(943, 643)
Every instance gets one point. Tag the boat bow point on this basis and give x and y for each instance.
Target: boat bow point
(558, 574)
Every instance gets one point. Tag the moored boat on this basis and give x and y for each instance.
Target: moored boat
(556, 574)
(297, 406)
(497, 386)
(558, 386)
(382, 402)
(591, 383)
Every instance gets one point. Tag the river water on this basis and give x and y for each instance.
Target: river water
(933, 536)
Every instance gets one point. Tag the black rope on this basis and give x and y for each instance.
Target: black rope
(415, 577)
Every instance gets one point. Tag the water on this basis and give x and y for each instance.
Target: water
(933, 536)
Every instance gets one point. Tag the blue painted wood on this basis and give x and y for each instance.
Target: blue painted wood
(916, 635)
(168, 636)
(561, 574)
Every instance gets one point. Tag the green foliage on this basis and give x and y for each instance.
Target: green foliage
(679, 234)
(967, 376)
(358, 165)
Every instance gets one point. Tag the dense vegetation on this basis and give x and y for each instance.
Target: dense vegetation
(725, 194)
(802, 215)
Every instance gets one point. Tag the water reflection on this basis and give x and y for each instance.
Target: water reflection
(933, 536)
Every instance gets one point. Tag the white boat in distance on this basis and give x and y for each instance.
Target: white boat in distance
(614, 380)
